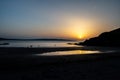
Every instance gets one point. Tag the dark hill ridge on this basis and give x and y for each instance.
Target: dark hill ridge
(111, 38)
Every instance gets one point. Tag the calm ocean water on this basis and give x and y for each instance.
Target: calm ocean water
(58, 44)
(38, 43)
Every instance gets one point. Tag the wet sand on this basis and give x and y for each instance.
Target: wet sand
(22, 64)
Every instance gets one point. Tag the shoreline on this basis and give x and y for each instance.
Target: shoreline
(22, 64)
(25, 50)
(27, 56)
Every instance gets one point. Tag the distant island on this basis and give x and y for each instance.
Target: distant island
(111, 38)
(42, 39)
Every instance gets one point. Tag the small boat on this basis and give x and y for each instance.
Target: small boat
(4, 43)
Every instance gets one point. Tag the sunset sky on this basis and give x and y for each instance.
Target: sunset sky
(71, 19)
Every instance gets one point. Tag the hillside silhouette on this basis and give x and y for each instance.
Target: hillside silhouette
(111, 38)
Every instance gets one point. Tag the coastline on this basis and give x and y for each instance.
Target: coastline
(25, 50)
(28, 55)
(16, 66)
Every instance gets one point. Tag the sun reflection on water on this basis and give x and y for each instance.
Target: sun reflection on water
(74, 52)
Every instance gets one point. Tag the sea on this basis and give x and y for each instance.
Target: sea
(53, 44)
(34, 43)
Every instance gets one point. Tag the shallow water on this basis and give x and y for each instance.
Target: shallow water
(38, 43)
(73, 52)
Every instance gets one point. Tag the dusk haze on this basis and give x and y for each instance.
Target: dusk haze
(71, 19)
(59, 39)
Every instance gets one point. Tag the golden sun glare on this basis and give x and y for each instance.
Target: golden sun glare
(80, 36)
(80, 28)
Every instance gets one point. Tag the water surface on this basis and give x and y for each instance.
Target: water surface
(38, 43)
(73, 52)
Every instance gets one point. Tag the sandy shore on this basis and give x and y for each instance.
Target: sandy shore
(22, 64)
(24, 50)
(27, 56)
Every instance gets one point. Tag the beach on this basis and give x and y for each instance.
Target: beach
(22, 64)
(59, 40)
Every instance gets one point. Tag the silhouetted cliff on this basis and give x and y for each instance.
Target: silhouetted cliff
(111, 38)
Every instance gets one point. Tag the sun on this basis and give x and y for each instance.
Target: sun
(80, 36)
(81, 28)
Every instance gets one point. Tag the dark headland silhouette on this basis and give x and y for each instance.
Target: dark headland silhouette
(111, 38)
